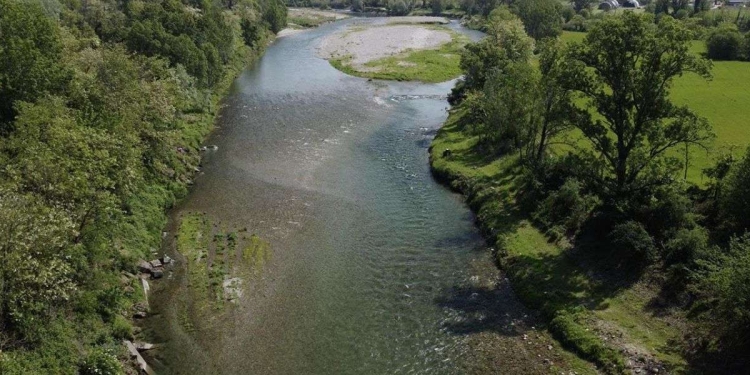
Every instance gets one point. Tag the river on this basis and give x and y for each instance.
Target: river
(370, 257)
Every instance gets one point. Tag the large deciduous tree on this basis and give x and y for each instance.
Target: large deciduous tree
(623, 72)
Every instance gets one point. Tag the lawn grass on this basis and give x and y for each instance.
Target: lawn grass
(430, 65)
(721, 100)
(544, 274)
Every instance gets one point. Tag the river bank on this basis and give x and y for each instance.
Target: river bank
(614, 324)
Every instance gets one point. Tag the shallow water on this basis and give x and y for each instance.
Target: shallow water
(333, 171)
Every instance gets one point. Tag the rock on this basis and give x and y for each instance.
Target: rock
(166, 259)
(140, 315)
(157, 273)
(549, 347)
(156, 263)
(144, 266)
(143, 346)
(142, 365)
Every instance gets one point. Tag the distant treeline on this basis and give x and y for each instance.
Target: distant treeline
(103, 105)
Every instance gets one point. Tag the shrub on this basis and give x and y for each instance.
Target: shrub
(686, 245)
(100, 362)
(397, 8)
(724, 283)
(567, 207)
(630, 240)
(724, 42)
(121, 328)
(735, 202)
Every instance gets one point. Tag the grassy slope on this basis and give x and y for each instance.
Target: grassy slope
(584, 313)
(720, 100)
(432, 65)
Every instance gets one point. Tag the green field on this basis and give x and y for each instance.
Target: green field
(721, 100)
(431, 65)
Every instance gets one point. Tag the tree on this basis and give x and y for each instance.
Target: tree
(507, 41)
(556, 100)
(511, 106)
(541, 18)
(580, 5)
(437, 7)
(30, 55)
(36, 274)
(735, 201)
(623, 71)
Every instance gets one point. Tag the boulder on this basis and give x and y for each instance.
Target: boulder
(166, 259)
(156, 263)
(142, 365)
(157, 273)
(144, 266)
(143, 346)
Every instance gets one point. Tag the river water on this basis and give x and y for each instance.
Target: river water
(333, 172)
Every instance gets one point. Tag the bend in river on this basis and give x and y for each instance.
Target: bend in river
(371, 259)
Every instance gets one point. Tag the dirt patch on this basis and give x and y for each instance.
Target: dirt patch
(363, 46)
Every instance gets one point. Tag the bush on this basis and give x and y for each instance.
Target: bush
(121, 328)
(397, 8)
(567, 207)
(630, 240)
(100, 362)
(735, 202)
(725, 284)
(724, 42)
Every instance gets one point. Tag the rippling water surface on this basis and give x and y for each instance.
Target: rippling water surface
(333, 171)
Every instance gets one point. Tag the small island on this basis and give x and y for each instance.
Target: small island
(401, 49)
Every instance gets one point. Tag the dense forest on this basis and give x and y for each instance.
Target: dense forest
(584, 141)
(102, 108)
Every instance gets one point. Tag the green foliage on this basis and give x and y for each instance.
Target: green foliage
(630, 240)
(541, 18)
(37, 263)
(30, 50)
(100, 362)
(623, 72)
(506, 42)
(274, 13)
(510, 107)
(735, 198)
(724, 284)
(121, 328)
(724, 42)
(102, 115)
(568, 207)
(580, 5)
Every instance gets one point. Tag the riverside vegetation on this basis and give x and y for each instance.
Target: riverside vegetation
(103, 105)
(582, 160)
